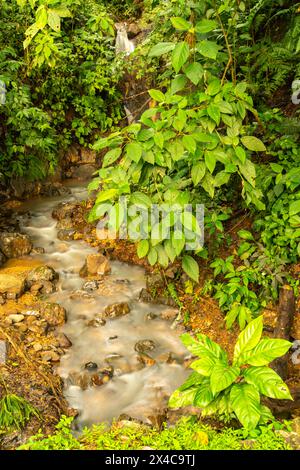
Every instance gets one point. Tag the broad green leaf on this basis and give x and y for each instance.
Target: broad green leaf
(210, 161)
(189, 143)
(180, 399)
(161, 48)
(265, 352)
(205, 26)
(157, 95)
(178, 242)
(214, 87)
(245, 234)
(253, 143)
(178, 84)
(190, 267)
(152, 256)
(159, 139)
(180, 23)
(142, 248)
(109, 194)
(134, 151)
(203, 396)
(140, 199)
(208, 49)
(241, 154)
(111, 157)
(41, 17)
(194, 72)
(198, 172)
(53, 20)
(205, 365)
(245, 402)
(180, 55)
(214, 113)
(294, 208)
(170, 250)
(194, 379)
(222, 377)
(248, 338)
(268, 382)
(248, 171)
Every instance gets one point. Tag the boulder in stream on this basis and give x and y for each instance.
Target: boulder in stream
(15, 245)
(41, 274)
(116, 310)
(144, 345)
(96, 265)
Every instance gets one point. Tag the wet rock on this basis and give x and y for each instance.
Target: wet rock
(64, 210)
(45, 287)
(148, 298)
(144, 345)
(146, 360)
(112, 338)
(3, 352)
(88, 156)
(41, 274)
(15, 245)
(166, 358)
(116, 310)
(63, 341)
(80, 380)
(31, 313)
(90, 286)
(2, 299)
(11, 286)
(97, 321)
(133, 30)
(99, 380)
(37, 347)
(15, 318)
(91, 366)
(50, 356)
(113, 357)
(53, 189)
(95, 265)
(65, 224)
(82, 172)
(54, 314)
(38, 250)
(66, 235)
(155, 282)
(175, 414)
(81, 295)
(169, 315)
(151, 316)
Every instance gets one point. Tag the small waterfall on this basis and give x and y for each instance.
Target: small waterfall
(123, 44)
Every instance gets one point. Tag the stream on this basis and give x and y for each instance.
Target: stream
(133, 389)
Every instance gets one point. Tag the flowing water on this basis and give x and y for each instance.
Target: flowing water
(135, 391)
(123, 44)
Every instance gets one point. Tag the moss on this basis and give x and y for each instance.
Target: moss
(187, 434)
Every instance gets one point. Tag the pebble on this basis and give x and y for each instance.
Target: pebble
(91, 366)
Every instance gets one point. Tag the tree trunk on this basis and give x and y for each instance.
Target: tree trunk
(286, 312)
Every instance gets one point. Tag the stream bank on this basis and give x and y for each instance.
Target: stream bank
(117, 355)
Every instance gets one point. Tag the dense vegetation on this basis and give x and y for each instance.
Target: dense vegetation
(219, 129)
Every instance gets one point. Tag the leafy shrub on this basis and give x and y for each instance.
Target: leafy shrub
(233, 390)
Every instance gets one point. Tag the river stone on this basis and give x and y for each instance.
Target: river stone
(12, 286)
(41, 274)
(151, 316)
(291, 438)
(146, 360)
(155, 281)
(144, 345)
(91, 366)
(54, 314)
(79, 380)
(3, 351)
(15, 245)
(97, 264)
(38, 250)
(66, 235)
(64, 210)
(97, 321)
(116, 310)
(90, 286)
(169, 315)
(63, 341)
